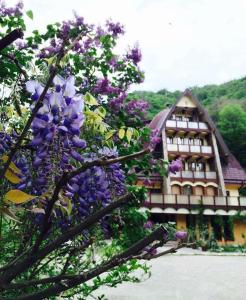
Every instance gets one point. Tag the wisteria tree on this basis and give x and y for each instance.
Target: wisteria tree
(71, 146)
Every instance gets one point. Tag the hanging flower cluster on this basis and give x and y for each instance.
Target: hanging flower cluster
(137, 108)
(175, 166)
(56, 141)
(5, 143)
(56, 130)
(11, 11)
(135, 55)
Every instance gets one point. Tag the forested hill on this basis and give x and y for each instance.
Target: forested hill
(209, 95)
(226, 104)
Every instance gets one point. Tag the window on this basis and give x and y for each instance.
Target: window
(191, 141)
(187, 190)
(200, 166)
(192, 166)
(198, 142)
(222, 227)
(180, 141)
(170, 140)
(187, 119)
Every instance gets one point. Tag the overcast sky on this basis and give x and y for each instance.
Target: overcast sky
(184, 42)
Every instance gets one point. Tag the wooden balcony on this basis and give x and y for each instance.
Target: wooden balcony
(195, 175)
(192, 149)
(186, 125)
(229, 205)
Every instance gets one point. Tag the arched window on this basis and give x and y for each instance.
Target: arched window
(176, 190)
(187, 190)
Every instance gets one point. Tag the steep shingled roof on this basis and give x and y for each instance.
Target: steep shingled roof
(158, 119)
(233, 171)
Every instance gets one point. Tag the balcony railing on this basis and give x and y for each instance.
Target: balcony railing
(186, 124)
(191, 201)
(189, 148)
(195, 175)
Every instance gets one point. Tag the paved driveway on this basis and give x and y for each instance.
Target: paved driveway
(188, 277)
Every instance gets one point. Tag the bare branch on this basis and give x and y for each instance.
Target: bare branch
(168, 251)
(10, 38)
(33, 257)
(105, 162)
(74, 280)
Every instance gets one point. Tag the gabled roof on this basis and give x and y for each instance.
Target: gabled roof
(160, 119)
(232, 169)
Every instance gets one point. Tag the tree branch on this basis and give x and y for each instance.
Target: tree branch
(10, 38)
(168, 251)
(16, 62)
(74, 280)
(26, 263)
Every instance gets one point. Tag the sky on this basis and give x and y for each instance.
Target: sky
(184, 43)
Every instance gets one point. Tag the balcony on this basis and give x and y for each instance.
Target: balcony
(189, 148)
(192, 202)
(186, 125)
(210, 175)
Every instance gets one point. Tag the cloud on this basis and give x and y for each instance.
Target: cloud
(184, 43)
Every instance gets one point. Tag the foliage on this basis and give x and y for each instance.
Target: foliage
(71, 141)
(232, 125)
(229, 248)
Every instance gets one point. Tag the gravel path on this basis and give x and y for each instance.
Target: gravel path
(188, 277)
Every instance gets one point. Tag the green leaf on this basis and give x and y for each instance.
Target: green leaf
(90, 100)
(101, 111)
(129, 134)
(29, 13)
(121, 133)
(9, 214)
(109, 134)
(18, 197)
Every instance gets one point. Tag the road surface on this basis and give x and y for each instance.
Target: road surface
(187, 277)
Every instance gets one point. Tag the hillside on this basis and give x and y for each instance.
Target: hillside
(226, 104)
(210, 96)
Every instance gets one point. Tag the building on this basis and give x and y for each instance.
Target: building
(211, 177)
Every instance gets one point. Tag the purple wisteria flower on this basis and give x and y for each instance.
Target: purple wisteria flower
(137, 108)
(115, 28)
(148, 225)
(180, 235)
(116, 103)
(147, 181)
(135, 55)
(175, 166)
(57, 124)
(11, 11)
(104, 87)
(154, 139)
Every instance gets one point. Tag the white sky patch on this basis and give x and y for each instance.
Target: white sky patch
(184, 42)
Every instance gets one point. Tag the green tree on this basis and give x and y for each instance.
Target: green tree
(232, 125)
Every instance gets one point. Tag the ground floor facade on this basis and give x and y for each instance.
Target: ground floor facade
(226, 229)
